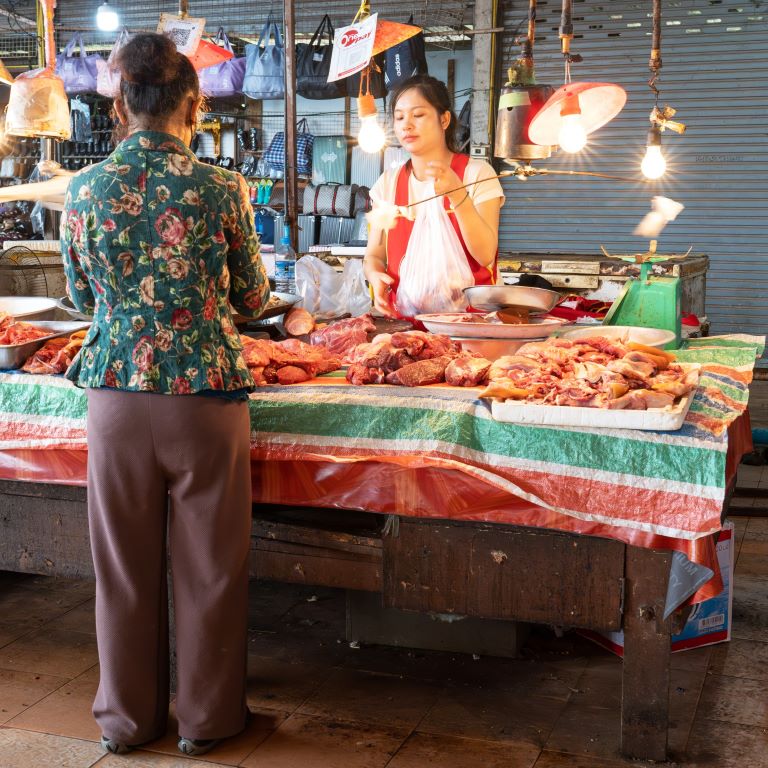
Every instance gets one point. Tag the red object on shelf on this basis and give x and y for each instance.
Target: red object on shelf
(583, 308)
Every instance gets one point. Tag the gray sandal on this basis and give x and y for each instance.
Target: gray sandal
(196, 746)
(115, 747)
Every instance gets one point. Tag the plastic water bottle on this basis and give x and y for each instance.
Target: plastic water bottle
(285, 264)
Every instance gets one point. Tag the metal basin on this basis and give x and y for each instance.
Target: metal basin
(491, 297)
(28, 307)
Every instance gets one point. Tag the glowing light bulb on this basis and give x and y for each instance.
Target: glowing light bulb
(572, 136)
(654, 164)
(107, 19)
(371, 137)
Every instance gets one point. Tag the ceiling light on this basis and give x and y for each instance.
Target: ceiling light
(107, 19)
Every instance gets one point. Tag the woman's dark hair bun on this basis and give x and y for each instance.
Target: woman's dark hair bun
(150, 59)
(155, 77)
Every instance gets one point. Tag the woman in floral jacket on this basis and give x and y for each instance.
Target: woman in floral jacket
(157, 246)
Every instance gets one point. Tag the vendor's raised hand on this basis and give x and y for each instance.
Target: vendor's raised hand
(380, 283)
(445, 180)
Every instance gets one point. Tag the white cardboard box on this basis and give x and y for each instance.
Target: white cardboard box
(709, 622)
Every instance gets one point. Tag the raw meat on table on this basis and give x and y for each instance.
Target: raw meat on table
(341, 337)
(467, 370)
(431, 371)
(286, 362)
(299, 322)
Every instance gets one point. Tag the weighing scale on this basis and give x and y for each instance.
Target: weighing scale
(648, 302)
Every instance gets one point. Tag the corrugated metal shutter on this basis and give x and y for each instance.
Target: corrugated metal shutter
(715, 70)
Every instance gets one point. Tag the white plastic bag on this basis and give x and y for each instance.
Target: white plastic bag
(108, 77)
(319, 286)
(434, 270)
(355, 295)
(327, 293)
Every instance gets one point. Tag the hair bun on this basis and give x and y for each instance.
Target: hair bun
(149, 59)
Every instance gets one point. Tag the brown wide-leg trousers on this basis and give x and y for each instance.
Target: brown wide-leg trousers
(181, 465)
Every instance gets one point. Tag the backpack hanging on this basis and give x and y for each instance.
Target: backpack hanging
(313, 63)
(405, 60)
(265, 67)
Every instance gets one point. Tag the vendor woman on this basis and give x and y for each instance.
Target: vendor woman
(425, 125)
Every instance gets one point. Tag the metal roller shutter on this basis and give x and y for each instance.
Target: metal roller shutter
(715, 67)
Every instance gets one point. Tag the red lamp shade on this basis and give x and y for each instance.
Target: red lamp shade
(598, 103)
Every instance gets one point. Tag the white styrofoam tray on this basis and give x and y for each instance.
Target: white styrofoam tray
(517, 412)
(661, 419)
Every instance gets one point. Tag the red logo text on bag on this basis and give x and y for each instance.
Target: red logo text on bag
(352, 37)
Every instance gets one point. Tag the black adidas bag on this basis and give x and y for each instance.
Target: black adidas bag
(405, 60)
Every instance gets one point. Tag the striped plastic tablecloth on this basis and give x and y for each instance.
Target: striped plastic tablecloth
(436, 451)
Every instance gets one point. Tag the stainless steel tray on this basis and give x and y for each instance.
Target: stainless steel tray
(13, 356)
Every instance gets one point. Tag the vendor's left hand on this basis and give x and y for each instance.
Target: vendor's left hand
(445, 180)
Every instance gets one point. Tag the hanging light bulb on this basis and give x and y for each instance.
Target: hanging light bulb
(371, 137)
(107, 19)
(572, 136)
(654, 165)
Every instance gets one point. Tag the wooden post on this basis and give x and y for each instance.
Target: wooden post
(291, 191)
(645, 682)
(450, 81)
(483, 66)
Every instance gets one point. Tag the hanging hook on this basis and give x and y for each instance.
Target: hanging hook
(654, 64)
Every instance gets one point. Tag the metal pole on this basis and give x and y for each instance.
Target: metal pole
(291, 187)
(655, 63)
(183, 8)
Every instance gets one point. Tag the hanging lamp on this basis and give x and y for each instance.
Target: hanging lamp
(521, 98)
(575, 109)
(654, 165)
(371, 137)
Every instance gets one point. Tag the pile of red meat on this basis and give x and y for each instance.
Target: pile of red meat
(415, 358)
(595, 372)
(286, 362)
(16, 332)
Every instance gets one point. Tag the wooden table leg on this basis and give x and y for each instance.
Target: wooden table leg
(645, 682)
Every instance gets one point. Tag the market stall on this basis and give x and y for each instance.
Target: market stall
(470, 513)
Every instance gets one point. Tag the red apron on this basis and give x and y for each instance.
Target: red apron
(398, 237)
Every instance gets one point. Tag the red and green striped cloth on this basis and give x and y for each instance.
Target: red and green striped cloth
(676, 480)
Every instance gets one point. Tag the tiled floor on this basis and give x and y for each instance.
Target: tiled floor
(320, 703)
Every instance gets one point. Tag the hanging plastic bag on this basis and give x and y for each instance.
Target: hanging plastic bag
(434, 270)
(38, 106)
(108, 77)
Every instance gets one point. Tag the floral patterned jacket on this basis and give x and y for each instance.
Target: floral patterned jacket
(156, 245)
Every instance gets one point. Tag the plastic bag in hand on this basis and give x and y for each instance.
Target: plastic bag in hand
(434, 270)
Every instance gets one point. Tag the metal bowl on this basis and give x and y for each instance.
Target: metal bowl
(65, 305)
(492, 349)
(491, 297)
(28, 307)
